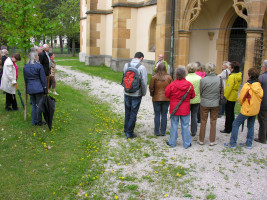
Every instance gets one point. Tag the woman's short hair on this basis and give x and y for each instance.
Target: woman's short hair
(253, 73)
(16, 56)
(180, 72)
(227, 64)
(192, 67)
(265, 63)
(210, 68)
(32, 57)
(235, 66)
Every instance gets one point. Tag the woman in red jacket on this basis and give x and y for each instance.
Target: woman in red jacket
(175, 91)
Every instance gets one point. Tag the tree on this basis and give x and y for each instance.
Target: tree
(69, 19)
(22, 18)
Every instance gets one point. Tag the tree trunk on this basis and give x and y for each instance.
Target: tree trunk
(73, 46)
(44, 39)
(61, 44)
(51, 42)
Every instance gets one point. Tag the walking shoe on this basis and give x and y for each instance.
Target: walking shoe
(258, 140)
(131, 136)
(213, 143)
(228, 145)
(168, 144)
(55, 93)
(201, 143)
(245, 145)
(219, 116)
(188, 146)
(224, 131)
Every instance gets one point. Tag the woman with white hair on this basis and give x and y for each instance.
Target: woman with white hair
(36, 86)
(224, 75)
(210, 95)
(193, 78)
(175, 91)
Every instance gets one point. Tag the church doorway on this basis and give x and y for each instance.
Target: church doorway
(237, 42)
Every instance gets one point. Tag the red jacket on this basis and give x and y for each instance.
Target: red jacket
(175, 91)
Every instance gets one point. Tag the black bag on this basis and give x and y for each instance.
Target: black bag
(222, 100)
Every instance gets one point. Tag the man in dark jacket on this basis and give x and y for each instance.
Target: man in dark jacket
(262, 116)
(45, 61)
(4, 57)
(36, 86)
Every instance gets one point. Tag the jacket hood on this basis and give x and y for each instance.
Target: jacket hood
(181, 84)
(256, 88)
(135, 61)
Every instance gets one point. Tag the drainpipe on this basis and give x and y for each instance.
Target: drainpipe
(172, 37)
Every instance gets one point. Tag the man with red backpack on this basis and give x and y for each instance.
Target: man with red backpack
(134, 82)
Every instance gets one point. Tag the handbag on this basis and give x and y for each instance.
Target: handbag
(222, 100)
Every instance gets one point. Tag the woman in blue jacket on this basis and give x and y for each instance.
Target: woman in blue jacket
(36, 86)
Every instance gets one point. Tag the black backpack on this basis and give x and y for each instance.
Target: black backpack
(131, 80)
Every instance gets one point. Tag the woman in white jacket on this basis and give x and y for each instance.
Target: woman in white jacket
(224, 75)
(9, 81)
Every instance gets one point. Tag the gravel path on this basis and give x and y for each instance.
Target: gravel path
(228, 174)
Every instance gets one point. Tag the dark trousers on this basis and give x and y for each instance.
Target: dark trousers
(11, 101)
(262, 117)
(160, 119)
(132, 105)
(229, 115)
(194, 110)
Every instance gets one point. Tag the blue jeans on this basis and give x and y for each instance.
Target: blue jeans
(132, 105)
(194, 109)
(185, 130)
(160, 111)
(36, 114)
(236, 124)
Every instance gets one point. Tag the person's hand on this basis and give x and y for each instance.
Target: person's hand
(15, 84)
(45, 91)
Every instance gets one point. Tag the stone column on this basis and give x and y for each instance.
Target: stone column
(181, 48)
(120, 35)
(163, 29)
(252, 35)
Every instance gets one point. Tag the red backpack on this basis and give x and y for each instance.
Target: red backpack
(131, 80)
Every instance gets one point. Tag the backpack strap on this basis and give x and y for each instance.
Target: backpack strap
(137, 66)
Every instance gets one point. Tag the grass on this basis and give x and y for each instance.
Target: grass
(31, 170)
(99, 71)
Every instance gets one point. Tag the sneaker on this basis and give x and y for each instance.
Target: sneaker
(245, 145)
(228, 145)
(55, 93)
(49, 91)
(201, 143)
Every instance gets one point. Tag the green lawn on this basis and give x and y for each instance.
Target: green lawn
(100, 71)
(30, 169)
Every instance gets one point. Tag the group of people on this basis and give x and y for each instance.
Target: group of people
(197, 90)
(39, 77)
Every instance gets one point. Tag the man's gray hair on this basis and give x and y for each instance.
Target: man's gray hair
(180, 72)
(5, 52)
(32, 57)
(192, 67)
(210, 68)
(265, 63)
